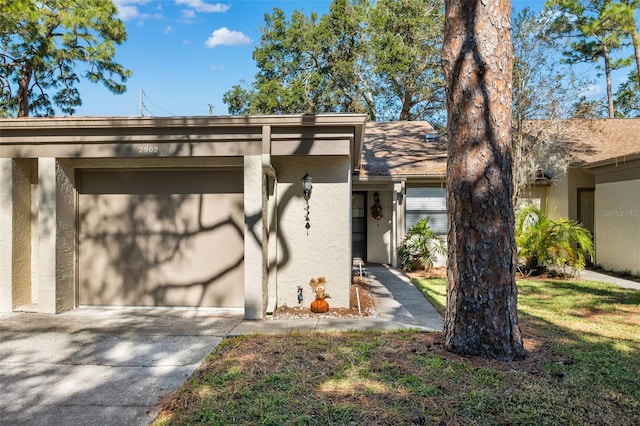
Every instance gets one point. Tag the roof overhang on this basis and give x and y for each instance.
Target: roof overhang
(616, 162)
(106, 137)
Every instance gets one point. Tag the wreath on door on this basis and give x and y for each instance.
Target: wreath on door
(376, 208)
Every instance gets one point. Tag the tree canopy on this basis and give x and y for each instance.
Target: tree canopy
(596, 32)
(381, 58)
(546, 89)
(46, 46)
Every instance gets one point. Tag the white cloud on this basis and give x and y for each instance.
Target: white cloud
(226, 37)
(593, 91)
(201, 6)
(168, 29)
(128, 9)
(187, 15)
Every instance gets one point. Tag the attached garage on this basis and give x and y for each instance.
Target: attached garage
(160, 238)
(174, 211)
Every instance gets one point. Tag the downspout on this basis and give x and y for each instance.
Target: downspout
(269, 244)
(397, 230)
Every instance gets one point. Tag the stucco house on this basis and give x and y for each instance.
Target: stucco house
(211, 212)
(404, 165)
(182, 211)
(602, 188)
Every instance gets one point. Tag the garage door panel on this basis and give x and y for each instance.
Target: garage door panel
(161, 249)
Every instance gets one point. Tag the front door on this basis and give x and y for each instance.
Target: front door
(585, 207)
(359, 225)
(586, 210)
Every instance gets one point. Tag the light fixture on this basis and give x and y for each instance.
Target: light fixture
(306, 186)
(306, 190)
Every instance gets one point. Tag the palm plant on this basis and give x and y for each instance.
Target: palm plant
(419, 246)
(544, 243)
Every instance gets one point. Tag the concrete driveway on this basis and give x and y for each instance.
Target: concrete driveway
(101, 366)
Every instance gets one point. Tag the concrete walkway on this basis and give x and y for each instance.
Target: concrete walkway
(99, 366)
(399, 305)
(586, 274)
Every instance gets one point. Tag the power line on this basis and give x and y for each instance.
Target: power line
(144, 108)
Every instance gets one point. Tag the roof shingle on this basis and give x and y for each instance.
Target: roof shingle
(400, 149)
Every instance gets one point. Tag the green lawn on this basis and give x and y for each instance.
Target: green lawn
(583, 367)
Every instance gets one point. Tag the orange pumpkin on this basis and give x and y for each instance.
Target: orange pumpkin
(319, 306)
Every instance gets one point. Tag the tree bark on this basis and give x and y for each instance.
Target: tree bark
(635, 37)
(23, 92)
(607, 74)
(481, 317)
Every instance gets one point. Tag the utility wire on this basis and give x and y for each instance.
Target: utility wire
(143, 107)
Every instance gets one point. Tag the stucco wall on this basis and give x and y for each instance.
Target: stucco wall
(22, 234)
(536, 195)
(325, 251)
(254, 290)
(617, 225)
(56, 230)
(562, 195)
(557, 198)
(15, 234)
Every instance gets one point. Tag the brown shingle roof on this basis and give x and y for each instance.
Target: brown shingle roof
(598, 140)
(399, 149)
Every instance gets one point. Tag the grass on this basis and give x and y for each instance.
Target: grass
(583, 367)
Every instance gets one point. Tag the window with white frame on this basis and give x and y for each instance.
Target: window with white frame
(427, 201)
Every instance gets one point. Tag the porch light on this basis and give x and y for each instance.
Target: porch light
(306, 186)
(306, 189)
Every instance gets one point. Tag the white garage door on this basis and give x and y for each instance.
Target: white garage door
(161, 238)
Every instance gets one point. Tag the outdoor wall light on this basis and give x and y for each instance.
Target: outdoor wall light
(306, 186)
(306, 190)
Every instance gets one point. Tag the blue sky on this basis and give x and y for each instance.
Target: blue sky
(185, 54)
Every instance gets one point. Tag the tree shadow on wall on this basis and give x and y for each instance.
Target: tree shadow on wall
(161, 249)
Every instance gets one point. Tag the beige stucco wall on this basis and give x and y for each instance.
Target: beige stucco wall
(557, 198)
(617, 225)
(536, 195)
(15, 234)
(325, 251)
(56, 231)
(254, 290)
(562, 195)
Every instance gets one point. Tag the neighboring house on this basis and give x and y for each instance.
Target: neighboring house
(181, 211)
(404, 163)
(210, 211)
(602, 189)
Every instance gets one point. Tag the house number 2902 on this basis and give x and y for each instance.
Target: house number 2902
(148, 149)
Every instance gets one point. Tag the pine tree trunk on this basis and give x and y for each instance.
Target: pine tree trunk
(636, 47)
(607, 74)
(23, 92)
(481, 317)
(635, 37)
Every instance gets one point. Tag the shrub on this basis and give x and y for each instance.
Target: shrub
(544, 243)
(419, 246)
